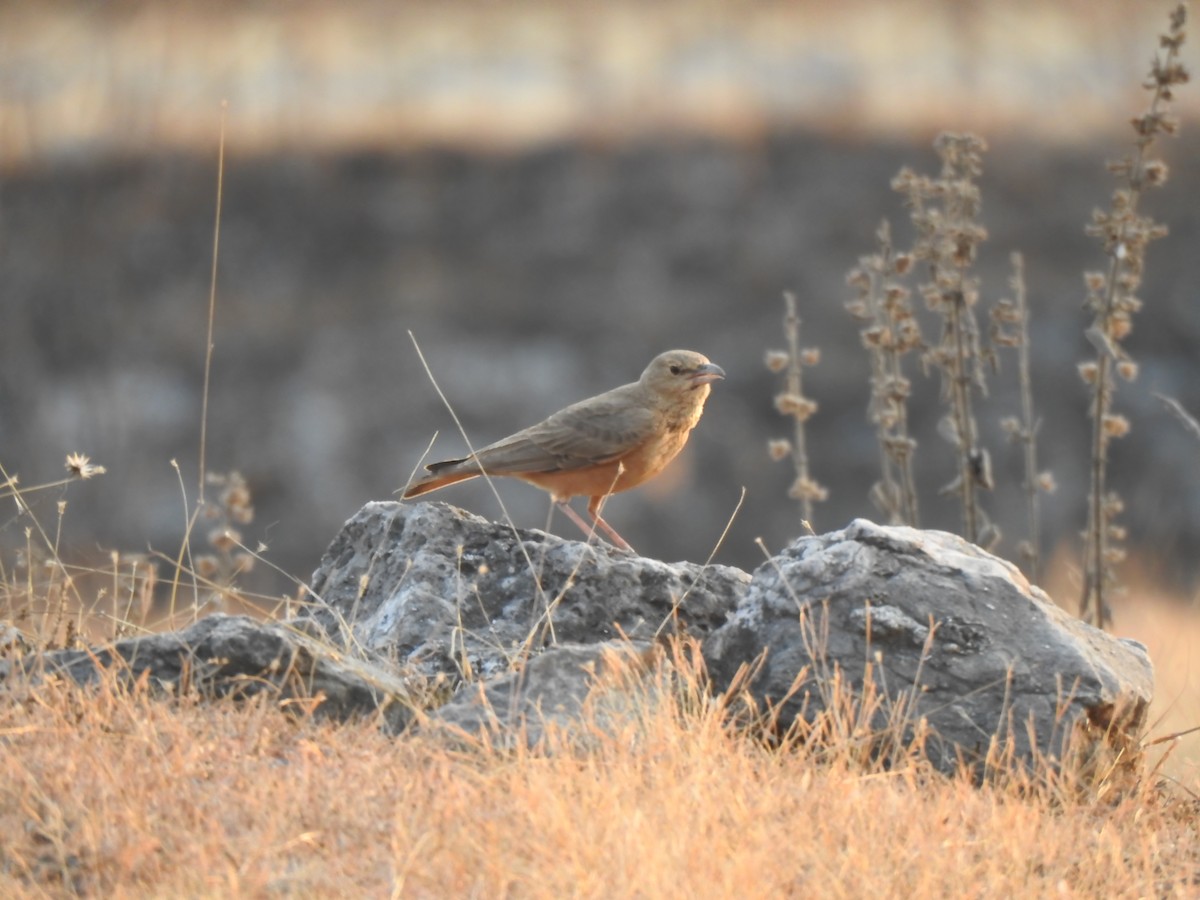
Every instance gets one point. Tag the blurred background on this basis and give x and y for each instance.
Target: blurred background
(547, 195)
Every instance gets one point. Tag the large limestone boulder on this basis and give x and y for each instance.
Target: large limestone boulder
(929, 626)
(434, 615)
(440, 591)
(222, 655)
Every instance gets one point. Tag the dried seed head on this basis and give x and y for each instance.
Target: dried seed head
(910, 334)
(807, 489)
(1089, 372)
(1115, 426)
(902, 263)
(1114, 556)
(1046, 482)
(796, 406)
(895, 298)
(1128, 369)
(224, 539)
(206, 566)
(776, 360)
(236, 495)
(80, 466)
(810, 356)
(1005, 338)
(857, 278)
(876, 336)
(779, 448)
(1155, 172)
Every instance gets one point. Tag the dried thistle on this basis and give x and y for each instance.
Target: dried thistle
(945, 211)
(1112, 300)
(889, 332)
(791, 402)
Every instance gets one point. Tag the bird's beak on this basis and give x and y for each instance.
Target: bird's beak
(706, 374)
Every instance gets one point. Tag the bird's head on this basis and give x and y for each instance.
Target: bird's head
(679, 372)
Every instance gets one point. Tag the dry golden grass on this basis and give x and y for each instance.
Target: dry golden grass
(1170, 628)
(110, 791)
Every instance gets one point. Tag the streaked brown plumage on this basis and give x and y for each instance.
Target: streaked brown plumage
(599, 446)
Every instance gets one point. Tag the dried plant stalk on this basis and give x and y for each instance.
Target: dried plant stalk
(889, 331)
(1010, 328)
(945, 211)
(792, 403)
(1112, 299)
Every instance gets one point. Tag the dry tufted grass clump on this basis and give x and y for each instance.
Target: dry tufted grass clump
(113, 789)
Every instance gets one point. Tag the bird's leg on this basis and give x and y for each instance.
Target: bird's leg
(594, 511)
(590, 530)
(587, 529)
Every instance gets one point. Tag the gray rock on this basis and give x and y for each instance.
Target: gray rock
(224, 655)
(940, 630)
(443, 592)
(920, 627)
(554, 690)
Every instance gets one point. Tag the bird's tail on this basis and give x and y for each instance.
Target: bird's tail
(438, 479)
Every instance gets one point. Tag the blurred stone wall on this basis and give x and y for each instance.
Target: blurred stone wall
(534, 274)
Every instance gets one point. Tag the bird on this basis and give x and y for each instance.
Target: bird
(597, 447)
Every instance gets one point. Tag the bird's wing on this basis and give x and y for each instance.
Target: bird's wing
(591, 432)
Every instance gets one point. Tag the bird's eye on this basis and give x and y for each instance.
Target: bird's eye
(675, 370)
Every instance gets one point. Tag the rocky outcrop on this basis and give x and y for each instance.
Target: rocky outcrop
(931, 625)
(442, 592)
(553, 691)
(224, 655)
(473, 627)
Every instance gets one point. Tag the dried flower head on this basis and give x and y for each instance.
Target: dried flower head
(1155, 172)
(779, 448)
(80, 466)
(807, 489)
(1128, 369)
(224, 539)
(796, 406)
(776, 360)
(1115, 426)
